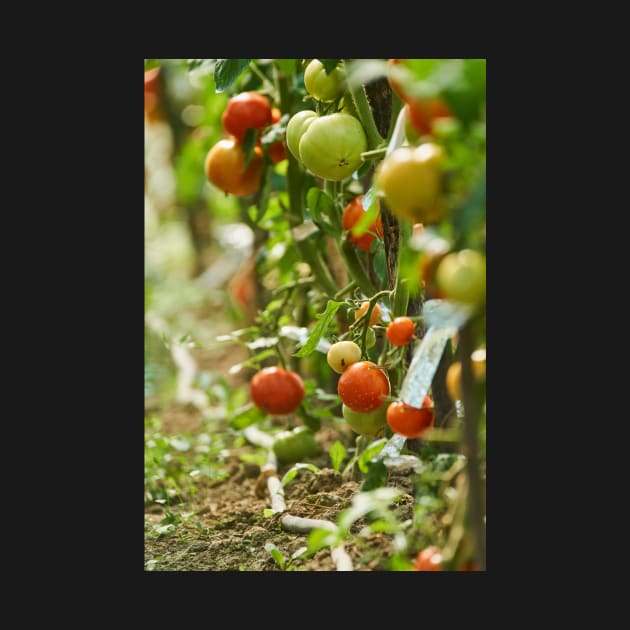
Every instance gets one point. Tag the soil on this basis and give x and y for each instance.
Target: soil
(225, 529)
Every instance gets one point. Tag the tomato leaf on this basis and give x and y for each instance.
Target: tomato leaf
(286, 65)
(337, 454)
(370, 453)
(369, 199)
(376, 476)
(311, 421)
(154, 63)
(320, 328)
(293, 471)
(248, 144)
(245, 416)
(226, 71)
(321, 206)
(275, 553)
(330, 64)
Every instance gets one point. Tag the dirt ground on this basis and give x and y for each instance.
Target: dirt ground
(226, 529)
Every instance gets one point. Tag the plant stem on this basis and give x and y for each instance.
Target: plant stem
(472, 409)
(355, 268)
(365, 116)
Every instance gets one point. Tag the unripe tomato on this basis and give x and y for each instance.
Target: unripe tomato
(409, 421)
(375, 317)
(244, 111)
(369, 423)
(331, 146)
(296, 127)
(400, 331)
(411, 181)
(294, 446)
(277, 151)
(350, 217)
(225, 168)
(342, 354)
(363, 386)
(429, 559)
(324, 87)
(276, 391)
(462, 276)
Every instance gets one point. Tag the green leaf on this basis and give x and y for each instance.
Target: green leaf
(272, 550)
(330, 64)
(245, 416)
(400, 563)
(369, 199)
(318, 539)
(293, 471)
(311, 421)
(267, 512)
(151, 63)
(320, 328)
(370, 453)
(337, 454)
(370, 215)
(197, 63)
(226, 71)
(248, 144)
(321, 207)
(376, 476)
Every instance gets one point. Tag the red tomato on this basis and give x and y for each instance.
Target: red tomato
(410, 421)
(422, 113)
(400, 331)
(276, 391)
(350, 217)
(225, 168)
(246, 110)
(429, 559)
(277, 151)
(362, 386)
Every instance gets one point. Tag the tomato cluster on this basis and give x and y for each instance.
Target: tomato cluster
(225, 163)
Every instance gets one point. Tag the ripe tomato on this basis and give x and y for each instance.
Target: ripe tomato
(423, 112)
(429, 559)
(324, 87)
(245, 110)
(410, 421)
(369, 423)
(396, 87)
(294, 446)
(411, 181)
(342, 354)
(350, 217)
(331, 146)
(462, 276)
(276, 391)
(296, 127)
(363, 386)
(152, 94)
(225, 168)
(375, 317)
(400, 331)
(277, 151)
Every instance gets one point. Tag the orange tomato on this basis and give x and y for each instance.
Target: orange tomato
(400, 331)
(225, 168)
(362, 386)
(244, 111)
(350, 217)
(375, 318)
(429, 559)
(410, 421)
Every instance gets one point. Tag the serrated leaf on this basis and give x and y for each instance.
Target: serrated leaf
(376, 476)
(248, 144)
(337, 454)
(226, 71)
(329, 64)
(370, 453)
(320, 328)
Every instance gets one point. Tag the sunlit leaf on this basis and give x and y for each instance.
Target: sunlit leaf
(320, 328)
(293, 471)
(226, 71)
(370, 453)
(337, 454)
(246, 416)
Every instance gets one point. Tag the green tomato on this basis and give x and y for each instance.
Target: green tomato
(331, 146)
(294, 446)
(462, 276)
(369, 423)
(342, 354)
(296, 127)
(324, 87)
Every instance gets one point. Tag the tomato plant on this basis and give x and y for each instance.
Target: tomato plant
(363, 386)
(400, 331)
(350, 217)
(225, 168)
(244, 111)
(331, 146)
(277, 391)
(410, 421)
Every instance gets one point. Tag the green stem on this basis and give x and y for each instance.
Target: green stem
(365, 116)
(374, 154)
(355, 269)
(345, 290)
(401, 290)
